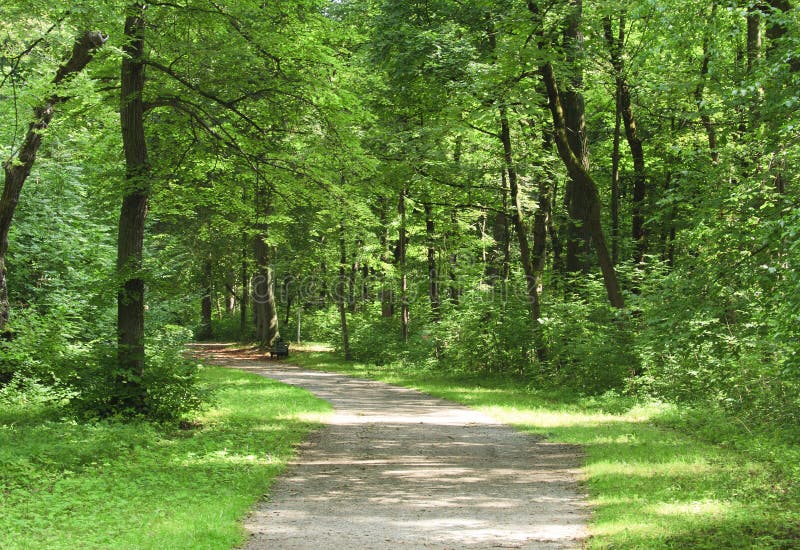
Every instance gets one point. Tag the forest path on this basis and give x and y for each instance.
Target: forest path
(397, 468)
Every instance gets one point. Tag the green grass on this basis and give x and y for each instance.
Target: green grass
(658, 476)
(69, 485)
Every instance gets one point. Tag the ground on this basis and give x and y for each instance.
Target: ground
(397, 468)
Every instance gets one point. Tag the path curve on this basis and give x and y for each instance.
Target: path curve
(397, 468)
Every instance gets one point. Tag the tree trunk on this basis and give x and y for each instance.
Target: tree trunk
(586, 186)
(540, 220)
(387, 296)
(615, 158)
(18, 169)
(352, 302)
(615, 46)
(206, 332)
(245, 281)
(453, 290)
(287, 295)
(518, 219)
(264, 307)
(579, 237)
(340, 293)
(777, 30)
(452, 264)
(433, 272)
(136, 191)
(402, 246)
(705, 118)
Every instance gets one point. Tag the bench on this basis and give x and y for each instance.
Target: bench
(279, 350)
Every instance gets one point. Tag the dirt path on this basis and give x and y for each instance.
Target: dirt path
(397, 468)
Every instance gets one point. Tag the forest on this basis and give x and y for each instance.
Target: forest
(593, 199)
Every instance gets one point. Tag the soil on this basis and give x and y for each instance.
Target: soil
(397, 468)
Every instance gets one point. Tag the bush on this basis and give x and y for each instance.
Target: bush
(486, 334)
(23, 393)
(168, 390)
(590, 348)
(40, 348)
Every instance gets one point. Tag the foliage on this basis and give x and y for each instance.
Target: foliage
(169, 379)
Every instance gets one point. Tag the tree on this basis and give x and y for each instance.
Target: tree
(16, 170)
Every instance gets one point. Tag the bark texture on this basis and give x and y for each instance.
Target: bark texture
(433, 272)
(585, 185)
(340, 292)
(579, 236)
(402, 249)
(130, 297)
(265, 310)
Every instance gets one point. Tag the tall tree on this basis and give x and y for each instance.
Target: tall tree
(625, 107)
(18, 168)
(130, 238)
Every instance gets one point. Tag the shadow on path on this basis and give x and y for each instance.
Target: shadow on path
(397, 468)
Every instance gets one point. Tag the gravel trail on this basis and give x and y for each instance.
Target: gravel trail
(395, 468)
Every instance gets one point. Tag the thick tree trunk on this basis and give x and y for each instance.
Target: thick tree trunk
(264, 307)
(586, 186)
(552, 232)
(230, 293)
(352, 302)
(777, 30)
(244, 276)
(520, 228)
(540, 220)
(387, 295)
(287, 296)
(136, 191)
(340, 293)
(497, 264)
(17, 170)
(615, 158)
(453, 290)
(579, 238)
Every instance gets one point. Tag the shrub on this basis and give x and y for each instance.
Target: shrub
(167, 391)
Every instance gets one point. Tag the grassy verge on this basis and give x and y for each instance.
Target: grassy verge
(110, 485)
(658, 477)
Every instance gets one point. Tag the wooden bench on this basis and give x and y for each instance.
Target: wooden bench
(279, 350)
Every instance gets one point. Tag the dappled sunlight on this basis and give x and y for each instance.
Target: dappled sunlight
(223, 457)
(547, 418)
(414, 468)
(694, 509)
(650, 469)
(639, 529)
(306, 416)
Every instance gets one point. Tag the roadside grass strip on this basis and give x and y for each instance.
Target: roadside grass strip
(658, 476)
(67, 485)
